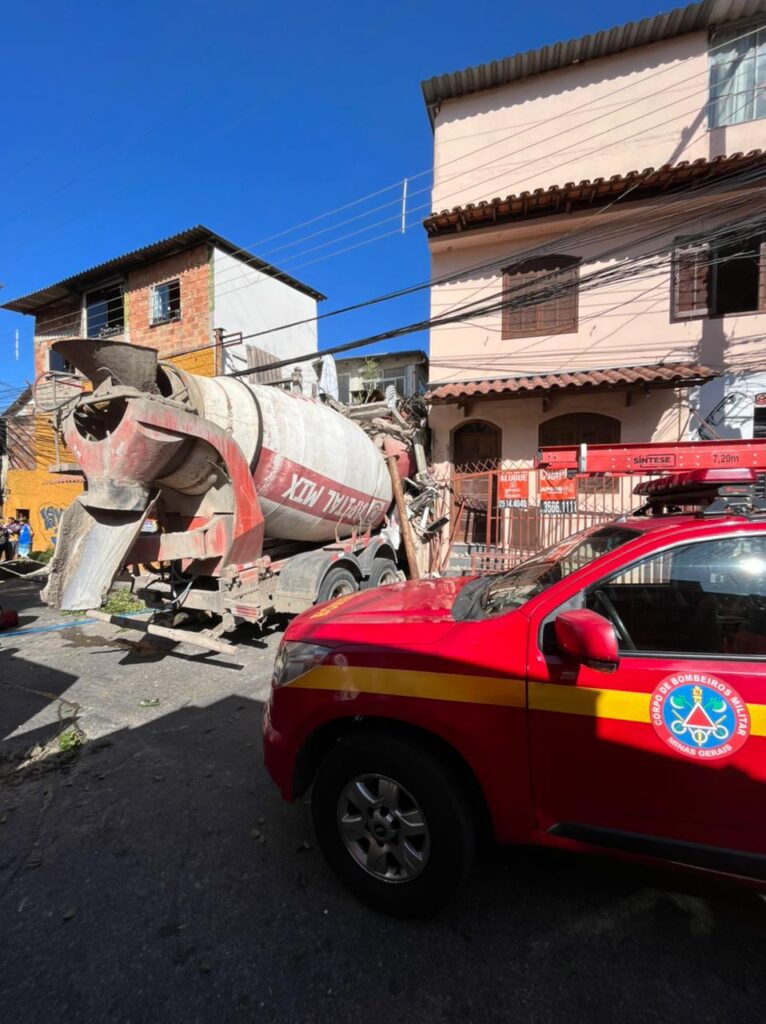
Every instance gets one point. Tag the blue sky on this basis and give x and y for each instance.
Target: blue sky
(124, 123)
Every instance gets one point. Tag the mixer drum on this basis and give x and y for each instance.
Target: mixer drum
(317, 474)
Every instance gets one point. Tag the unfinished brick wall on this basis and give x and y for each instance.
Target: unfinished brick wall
(194, 328)
(56, 320)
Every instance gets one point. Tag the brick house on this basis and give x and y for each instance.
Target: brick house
(192, 297)
(627, 300)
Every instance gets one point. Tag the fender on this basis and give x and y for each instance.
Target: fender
(379, 547)
(301, 577)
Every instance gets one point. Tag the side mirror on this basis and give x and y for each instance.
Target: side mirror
(587, 638)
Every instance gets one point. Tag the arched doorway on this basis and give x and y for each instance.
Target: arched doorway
(475, 453)
(579, 428)
(476, 446)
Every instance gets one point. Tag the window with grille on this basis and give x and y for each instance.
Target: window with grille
(722, 279)
(737, 75)
(165, 302)
(540, 297)
(104, 312)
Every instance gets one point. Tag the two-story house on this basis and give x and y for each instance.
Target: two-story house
(195, 297)
(598, 243)
(362, 378)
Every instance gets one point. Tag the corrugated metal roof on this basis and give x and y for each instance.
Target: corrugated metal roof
(589, 193)
(657, 375)
(415, 354)
(149, 254)
(680, 21)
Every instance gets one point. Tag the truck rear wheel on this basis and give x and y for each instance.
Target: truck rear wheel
(383, 573)
(337, 583)
(394, 823)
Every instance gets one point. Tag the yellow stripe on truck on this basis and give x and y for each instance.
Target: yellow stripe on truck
(624, 705)
(391, 682)
(589, 701)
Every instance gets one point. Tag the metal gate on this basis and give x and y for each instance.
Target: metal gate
(503, 516)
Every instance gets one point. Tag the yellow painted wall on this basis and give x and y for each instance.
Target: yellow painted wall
(202, 363)
(47, 494)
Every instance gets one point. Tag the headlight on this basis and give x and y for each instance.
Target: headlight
(294, 659)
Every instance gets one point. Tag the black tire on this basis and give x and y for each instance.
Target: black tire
(382, 574)
(337, 582)
(435, 790)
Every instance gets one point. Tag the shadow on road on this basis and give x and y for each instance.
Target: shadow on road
(156, 875)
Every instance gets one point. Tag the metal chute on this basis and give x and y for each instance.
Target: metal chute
(102, 359)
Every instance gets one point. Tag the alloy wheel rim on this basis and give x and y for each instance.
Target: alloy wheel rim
(383, 828)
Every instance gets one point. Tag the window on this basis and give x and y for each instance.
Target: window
(57, 363)
(720, 280)
(541, 297)
(707, 598)
(165, 300)
(104, 312)
(583, 428)
(579, 428)
(344, 381)
(759, 423)
(738, 76)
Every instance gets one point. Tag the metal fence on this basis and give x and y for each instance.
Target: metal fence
(503, 516)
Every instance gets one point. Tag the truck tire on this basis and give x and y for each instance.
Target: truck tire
(394, 823)
(382, 574)
(337, 583)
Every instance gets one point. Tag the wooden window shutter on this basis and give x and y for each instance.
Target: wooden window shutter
(555, 280)
(691, 282)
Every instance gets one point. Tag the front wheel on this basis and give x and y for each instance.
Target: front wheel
(394, 823)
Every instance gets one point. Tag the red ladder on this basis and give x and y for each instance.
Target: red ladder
(656, 457)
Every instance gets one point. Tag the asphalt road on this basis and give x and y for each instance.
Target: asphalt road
(157, 876)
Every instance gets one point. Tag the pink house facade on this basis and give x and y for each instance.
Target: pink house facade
(598, 243)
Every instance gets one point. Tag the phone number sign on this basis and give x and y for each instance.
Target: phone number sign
(558, 492)
(513, 489)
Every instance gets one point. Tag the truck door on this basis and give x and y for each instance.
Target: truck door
(666, 755)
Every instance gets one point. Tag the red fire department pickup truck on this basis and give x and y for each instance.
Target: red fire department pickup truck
(609, 694)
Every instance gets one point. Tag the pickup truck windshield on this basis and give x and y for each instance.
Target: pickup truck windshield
(496, 594)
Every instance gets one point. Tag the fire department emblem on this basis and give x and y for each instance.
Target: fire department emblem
(699, 716)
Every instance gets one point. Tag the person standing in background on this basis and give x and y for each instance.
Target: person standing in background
(6, 544)
(24, 545)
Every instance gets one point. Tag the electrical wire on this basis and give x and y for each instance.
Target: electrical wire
(559, 283)
(387, 234)
(466, 156)
(71, 320)
(238, 271)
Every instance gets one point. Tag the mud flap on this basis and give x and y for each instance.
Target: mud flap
(91, 548)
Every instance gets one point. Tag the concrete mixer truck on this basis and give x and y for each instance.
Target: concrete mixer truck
(222, 495)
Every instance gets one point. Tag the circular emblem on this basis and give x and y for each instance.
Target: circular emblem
(699, 716)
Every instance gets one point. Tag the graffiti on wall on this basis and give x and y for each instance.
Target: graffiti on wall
(50, 516)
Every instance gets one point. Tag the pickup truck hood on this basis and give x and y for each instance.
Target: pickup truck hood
(420, 612)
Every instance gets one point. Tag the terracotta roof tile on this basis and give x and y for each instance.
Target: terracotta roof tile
(589, 193)
(654, 375)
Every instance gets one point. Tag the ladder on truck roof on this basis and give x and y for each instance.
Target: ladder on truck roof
(653, 457)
